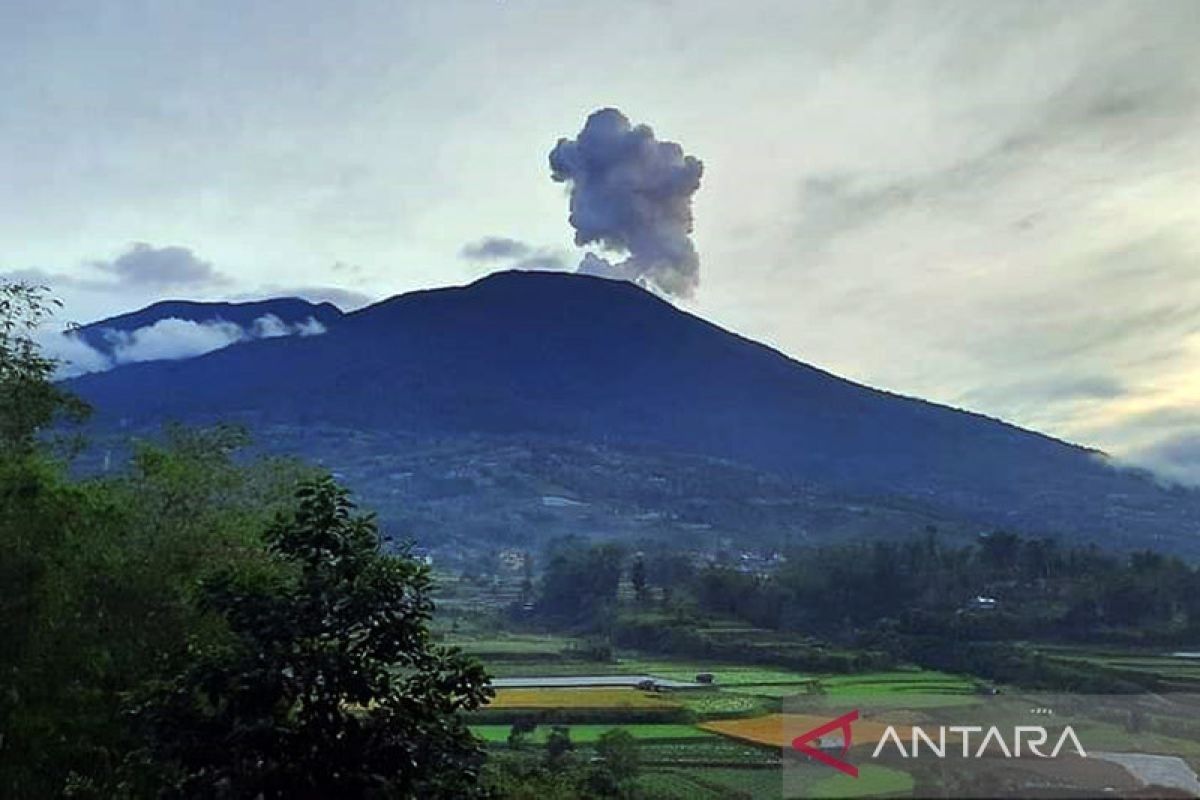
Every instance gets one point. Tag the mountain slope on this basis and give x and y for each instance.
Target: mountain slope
(588, 359)
(288, 310)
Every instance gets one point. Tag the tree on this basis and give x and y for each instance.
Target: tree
(329, 684)
(98, 585)
(521, 728)
(637, 576)
(619, 751)
(29, 400)
(580, 581)
(559, 746)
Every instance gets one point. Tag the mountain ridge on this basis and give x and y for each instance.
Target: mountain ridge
(289, 310)
(592, 359)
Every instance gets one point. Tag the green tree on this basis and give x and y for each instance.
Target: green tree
(580, 581)
(98, 589)
(637, 577)
(29, 400)
(559, 747)
(330, 685)
(617, 769)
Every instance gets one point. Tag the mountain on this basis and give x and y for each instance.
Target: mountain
(574, 358)
(290, 311)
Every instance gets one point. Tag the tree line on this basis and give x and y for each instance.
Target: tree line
(1002, 586)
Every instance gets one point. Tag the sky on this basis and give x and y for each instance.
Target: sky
(990, 205)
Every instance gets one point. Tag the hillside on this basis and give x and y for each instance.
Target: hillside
(582, 359)
(288, 310)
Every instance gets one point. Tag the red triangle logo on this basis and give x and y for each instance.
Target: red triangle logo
(801, 743)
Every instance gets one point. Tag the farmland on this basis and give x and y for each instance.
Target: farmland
(717, 727)
(579, 698)
(692, 742)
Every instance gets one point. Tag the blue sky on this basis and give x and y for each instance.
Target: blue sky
(989, 205)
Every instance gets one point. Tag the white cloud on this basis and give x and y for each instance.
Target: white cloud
(172, 338)
(74, 356)
(166, 340)
(269, 326)
(310, 327)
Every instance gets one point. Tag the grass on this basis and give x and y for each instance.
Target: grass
(725, 674)
(583, 698)
(927, 681)
(872, 781)
(588, 734)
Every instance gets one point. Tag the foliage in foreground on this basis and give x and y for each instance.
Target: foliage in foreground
(272, 648)
(331, 685)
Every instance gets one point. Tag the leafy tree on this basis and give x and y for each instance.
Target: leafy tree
(98, 585)
(559, 746)
(619, 752)
(522, 727)
(637, 577)
(29, 401)
(330, 684)
(580, 581)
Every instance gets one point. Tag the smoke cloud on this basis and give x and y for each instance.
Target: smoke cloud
(631, 194)
(167, 339)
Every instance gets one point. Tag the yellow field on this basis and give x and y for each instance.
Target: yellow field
(778, 730)
(578, 697)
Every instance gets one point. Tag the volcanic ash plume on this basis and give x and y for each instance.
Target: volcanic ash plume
(631, 193)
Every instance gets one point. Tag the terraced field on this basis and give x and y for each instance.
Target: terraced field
(588, 734)
(713, 742)
(777, 730)
(1175, 673)
(580, 698)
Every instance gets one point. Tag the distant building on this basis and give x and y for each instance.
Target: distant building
(981, 603)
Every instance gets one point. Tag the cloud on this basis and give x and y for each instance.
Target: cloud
(164, 340)
(171, 338)
(1051, 389)
(72, 355)
(269, 326)
(160, 267)
(514, 254)
(631, 194)
(543, 262)
(491, 248)
(1176, 458)
(309, 327)
(1028, 246)
(141, 267)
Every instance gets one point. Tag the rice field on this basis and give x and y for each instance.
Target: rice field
(580, 698)
(778, 730)
(589, 734)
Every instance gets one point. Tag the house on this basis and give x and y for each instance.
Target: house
(981, 603)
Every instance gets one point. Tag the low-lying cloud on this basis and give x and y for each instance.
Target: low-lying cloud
(165, 340)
